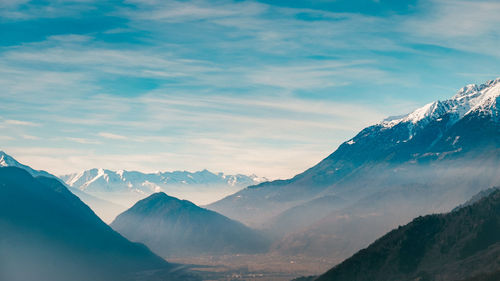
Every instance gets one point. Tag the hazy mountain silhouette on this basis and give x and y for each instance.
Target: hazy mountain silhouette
(47, 233)
(463, 244)
(171, 226)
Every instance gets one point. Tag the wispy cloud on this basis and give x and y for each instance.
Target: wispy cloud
(112, 136)
(20, 123)
(83, 140)
(456, 24)
(30, 137)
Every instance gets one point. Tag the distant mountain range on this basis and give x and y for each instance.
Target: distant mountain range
(47, 233)
(127, 187)
(427, 161)
(461, 245)
(173, 227)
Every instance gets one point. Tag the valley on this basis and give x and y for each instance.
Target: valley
(257, 267)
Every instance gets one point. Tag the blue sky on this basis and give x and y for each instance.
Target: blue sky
(267, 87)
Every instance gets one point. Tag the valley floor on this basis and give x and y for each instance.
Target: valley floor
(259, 267)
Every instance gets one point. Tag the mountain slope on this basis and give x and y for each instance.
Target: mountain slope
(454, 246)
(47, 233)
(178, 227)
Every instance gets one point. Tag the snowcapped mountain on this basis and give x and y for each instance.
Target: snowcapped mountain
(126, 187)
(429, 160)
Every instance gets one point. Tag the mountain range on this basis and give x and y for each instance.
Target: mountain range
(461, 245)
(127, 187)
(47, 233)
(427, 161)
(173, 227)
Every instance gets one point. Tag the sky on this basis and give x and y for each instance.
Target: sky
(255, 87)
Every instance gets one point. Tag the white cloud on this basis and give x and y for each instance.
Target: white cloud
(83, 140)
(112, 136)
(182, 11)
(20, 123)
(30, 137)
(317, 75)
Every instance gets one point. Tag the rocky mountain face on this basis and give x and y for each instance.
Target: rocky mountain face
(47, 233)
(428, 161)
(173, 227)
(461, 245)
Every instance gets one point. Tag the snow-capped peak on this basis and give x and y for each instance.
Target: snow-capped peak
(470, 98)
(7, 161)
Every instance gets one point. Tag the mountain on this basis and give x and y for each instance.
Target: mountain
(127, 187)
(178, 227)
(464, 244)
(47, 233)
(427, 161)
